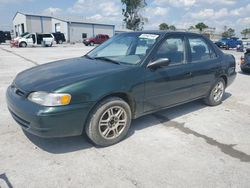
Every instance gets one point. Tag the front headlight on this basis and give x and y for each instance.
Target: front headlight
(50, 99)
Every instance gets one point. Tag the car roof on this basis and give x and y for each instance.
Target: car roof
(162, 32)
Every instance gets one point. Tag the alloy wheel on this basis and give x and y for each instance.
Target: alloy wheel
(218, 91)
(112, 122)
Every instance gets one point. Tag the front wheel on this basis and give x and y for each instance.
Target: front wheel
(109, 122)
(23, 44)
(216, 93)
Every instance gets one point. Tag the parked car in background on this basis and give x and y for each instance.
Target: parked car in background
(15, 42)
(98, 39)
(33, 39)
(59, 37)
(245, 62)
(4, 36)
(130, 75)
(228, 43)
(246, 44)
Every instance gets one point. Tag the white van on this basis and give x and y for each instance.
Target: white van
(33, 39)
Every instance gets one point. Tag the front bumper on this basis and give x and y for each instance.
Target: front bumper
(43, 121)
(86, 42)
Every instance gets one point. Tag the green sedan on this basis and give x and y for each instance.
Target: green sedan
(128, 76)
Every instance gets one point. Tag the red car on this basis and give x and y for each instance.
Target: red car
(98, 39)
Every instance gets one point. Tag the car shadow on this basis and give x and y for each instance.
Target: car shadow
(171, 113)
(243, 73)
(75, 143)
(60, 145)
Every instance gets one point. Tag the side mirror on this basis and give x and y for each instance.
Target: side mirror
(159, 63)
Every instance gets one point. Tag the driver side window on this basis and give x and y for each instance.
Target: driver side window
(173, 49)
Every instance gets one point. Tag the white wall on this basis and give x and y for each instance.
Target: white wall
(104, 29)
(63, 27)
(47, 27)
(39, 24)
(34, 24)
(17, 21)
(76, 30)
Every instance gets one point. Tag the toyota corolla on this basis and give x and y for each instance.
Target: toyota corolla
(128, 76)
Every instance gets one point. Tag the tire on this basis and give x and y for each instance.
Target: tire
(92, 44)
(60, 42)
(215, 95)
(23, 44)
(109, 122)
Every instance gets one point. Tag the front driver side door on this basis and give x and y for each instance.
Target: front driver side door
(30, 39)
(169, 85)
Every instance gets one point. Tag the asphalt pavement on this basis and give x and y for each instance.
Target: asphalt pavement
(191, 145)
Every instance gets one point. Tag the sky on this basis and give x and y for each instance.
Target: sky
(181, 13)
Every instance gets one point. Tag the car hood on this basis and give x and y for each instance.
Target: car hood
(50, 76)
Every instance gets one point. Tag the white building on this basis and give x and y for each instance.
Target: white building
(74, 29)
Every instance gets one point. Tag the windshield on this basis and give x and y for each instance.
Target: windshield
(27, 36)
(24, 34)
(129, 48)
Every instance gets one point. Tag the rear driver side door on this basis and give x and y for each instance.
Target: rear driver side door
(205, 65)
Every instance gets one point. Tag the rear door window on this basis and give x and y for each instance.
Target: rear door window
(200, 50)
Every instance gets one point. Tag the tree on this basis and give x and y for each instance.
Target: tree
(172, 28)
(163, 26)
(132, 17)
(228, 33)
(191, 28)
(201, 26)
(245, 32)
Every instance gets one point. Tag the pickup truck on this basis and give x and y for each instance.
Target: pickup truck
(98, 39)
(228, 43)
(33, 39)
(4, 35)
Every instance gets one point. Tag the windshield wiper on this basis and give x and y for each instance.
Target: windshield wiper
(87, 56)
(107, 59)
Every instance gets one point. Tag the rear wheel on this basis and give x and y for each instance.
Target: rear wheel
(109, 123)
(23, 44)
(216, 93)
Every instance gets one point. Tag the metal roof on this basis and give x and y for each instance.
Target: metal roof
(66, 19)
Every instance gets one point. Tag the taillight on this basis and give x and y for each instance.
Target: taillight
(242, 60)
